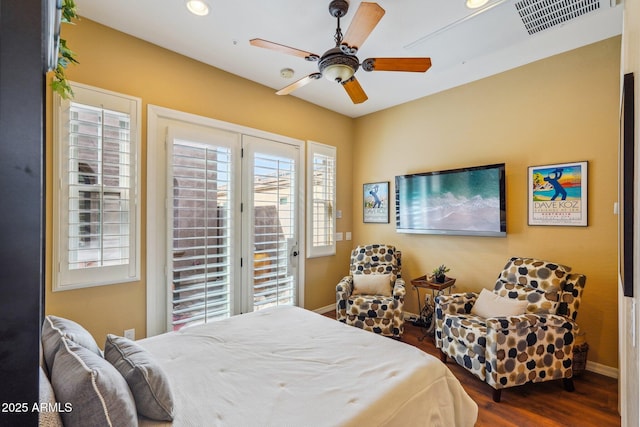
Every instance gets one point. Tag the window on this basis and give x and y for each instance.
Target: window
(321, 215)
(96, 148)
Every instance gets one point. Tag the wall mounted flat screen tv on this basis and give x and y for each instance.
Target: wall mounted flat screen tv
(467, 201)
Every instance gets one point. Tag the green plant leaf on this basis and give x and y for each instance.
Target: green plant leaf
(69, 11)
(66, 56)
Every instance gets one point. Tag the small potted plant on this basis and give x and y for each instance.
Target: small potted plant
(439, 273)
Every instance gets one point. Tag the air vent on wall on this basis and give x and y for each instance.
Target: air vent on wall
(539, 15)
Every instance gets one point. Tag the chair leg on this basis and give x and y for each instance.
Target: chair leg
(568, 384)
(497, 394)
(443, 357)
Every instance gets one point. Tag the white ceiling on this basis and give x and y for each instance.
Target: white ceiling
(464, 45)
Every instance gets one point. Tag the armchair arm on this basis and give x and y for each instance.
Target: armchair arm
(458, 303)
(528, 347)
(343, 292)
(344, 288)
(399, 289)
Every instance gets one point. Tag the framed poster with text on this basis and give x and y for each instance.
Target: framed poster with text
(558, 194)
(376, 202)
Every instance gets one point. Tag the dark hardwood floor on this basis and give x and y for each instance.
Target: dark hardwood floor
(593, 403)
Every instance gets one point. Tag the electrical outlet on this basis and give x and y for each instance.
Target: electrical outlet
(130, 333)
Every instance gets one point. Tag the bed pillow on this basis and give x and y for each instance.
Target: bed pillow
(96, 392)
(147, 381)
(489, 304)
(54, 328)
(372, 284)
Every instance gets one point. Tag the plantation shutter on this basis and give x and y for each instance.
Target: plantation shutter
(201, 243)
(99, 187)
(322, 190)
(274, 207)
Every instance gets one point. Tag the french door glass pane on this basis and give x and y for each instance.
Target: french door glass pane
(274, 208)
(201, 241)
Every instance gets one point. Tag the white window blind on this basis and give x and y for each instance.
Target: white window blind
(96, 230)
(275, 206)
(202, 232)
(321, 216)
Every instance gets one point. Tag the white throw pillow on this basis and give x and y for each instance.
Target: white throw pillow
(489, 304)
(372, 284)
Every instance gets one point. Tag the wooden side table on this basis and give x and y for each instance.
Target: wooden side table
(426, 320)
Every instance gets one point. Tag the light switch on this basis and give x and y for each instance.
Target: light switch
(339, 236)
(347, 235)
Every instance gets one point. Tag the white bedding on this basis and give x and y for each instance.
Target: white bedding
(287, 366)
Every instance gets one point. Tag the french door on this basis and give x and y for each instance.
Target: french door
(232, 224)
(271, 171)
(202, 192)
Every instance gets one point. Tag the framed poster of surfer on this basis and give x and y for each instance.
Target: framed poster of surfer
(376, 202)
(558, 194)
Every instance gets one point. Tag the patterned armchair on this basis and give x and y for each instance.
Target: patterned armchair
(376, 312)
(512, 350)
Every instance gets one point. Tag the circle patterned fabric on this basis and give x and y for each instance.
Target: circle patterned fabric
(509, 351)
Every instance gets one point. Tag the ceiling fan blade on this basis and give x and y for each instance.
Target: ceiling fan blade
(284, 49)
(354, 90)
(416, 65)
(364, 21)
(298, 84)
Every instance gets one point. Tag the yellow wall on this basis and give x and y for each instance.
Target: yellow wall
(561, 109)
(115, 61)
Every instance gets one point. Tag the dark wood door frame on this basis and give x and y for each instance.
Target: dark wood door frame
(21, 206)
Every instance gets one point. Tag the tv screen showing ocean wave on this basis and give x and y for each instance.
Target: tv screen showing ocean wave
(466, 201)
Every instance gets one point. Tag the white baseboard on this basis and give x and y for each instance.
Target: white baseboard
(325, 309)
(605, 370)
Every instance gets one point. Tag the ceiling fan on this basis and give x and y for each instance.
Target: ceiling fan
(340, 63)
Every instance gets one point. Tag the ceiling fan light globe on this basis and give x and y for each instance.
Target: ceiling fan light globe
(337, 66)
(474, 4)
(198, 7)
(338, 73)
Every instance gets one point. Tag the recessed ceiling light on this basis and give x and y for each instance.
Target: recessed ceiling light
(198, 7)
(474, 4)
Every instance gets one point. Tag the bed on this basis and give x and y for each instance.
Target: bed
(287, 366)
